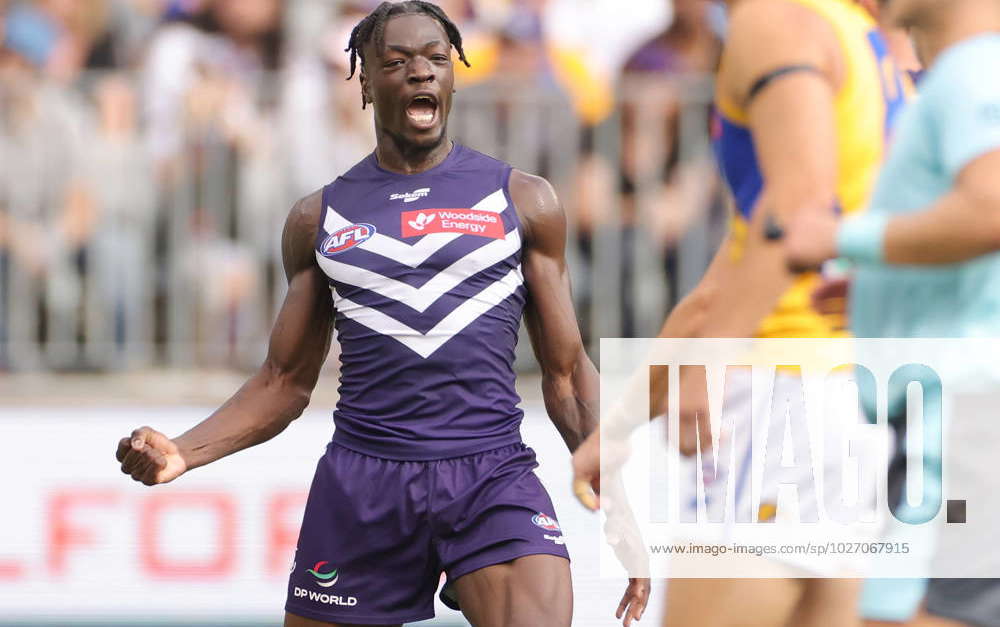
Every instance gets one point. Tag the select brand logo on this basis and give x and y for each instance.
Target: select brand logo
(411, 196)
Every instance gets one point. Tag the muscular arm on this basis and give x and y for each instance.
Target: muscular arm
(962, 225)
(277, 393)
(570, 383)
(300, 340)
(793, 126)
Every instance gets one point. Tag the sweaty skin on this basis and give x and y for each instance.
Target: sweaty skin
(416, 59)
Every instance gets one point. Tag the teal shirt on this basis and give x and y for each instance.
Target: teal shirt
(955, 119)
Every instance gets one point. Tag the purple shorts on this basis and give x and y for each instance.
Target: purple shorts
(377, 533)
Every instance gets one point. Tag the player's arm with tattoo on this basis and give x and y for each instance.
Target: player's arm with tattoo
(277, 393)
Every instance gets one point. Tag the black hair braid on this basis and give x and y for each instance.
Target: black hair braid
(373, 26)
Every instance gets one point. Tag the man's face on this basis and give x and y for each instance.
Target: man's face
(410, 81)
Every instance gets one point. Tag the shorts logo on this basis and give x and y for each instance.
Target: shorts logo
(462, 221)
(556, 539)
(346, 238)
(411, 196)
(545, 522)
(322, 597)
(323, 580)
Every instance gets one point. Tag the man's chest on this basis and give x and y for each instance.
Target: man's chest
(399, 241)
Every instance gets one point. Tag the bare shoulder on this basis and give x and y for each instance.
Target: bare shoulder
(782, 18)
(537, 205)
(767, 34)
(299, 235)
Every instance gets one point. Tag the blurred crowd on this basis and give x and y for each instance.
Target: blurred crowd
(150, 149)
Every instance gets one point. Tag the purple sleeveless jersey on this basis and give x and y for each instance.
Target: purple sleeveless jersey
(425, 271)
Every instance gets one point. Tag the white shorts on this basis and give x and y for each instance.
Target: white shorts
(768, 490)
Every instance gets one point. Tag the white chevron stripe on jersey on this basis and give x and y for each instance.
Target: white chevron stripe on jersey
(423, 297)
(424, 344)
(412, 255)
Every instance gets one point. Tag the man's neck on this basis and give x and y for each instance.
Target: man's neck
(401, 160)
(966, 20)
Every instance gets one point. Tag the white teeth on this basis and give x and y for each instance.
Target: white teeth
(422, 118)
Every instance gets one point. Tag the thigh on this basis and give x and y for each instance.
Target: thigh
(291, 620)
(526, 592)
(828, 602)
(731, 602)
(364, 554)
(491, 509)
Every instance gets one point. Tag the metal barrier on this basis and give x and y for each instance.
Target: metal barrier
(111, 260)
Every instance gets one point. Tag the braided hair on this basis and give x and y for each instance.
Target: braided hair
(373, 26)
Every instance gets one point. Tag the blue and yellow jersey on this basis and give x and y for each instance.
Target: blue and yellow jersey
(867, 103)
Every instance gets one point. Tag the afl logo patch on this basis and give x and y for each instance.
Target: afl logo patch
(346, 238)
(545, 522)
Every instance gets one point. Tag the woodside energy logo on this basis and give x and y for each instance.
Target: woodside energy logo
(465, 221)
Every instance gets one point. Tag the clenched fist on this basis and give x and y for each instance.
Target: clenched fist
(150, 457)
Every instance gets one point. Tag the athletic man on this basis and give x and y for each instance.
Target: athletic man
(926, 249)
(424, 257)
(806, 96)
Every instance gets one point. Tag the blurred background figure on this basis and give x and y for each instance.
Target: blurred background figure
(159, 139)
(210, 99)
(665, 82)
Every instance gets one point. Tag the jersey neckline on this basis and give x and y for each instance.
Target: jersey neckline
(452, 154)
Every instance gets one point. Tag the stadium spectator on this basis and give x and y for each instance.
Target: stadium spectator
(659, 77)
(206, 71)
(121, 249)
(48, 211)
(657, 189)
(323, 125)
(210, 108)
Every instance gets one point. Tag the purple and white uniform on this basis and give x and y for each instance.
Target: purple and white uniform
(426, 471)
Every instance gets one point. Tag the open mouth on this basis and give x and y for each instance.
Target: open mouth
(422, 111)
